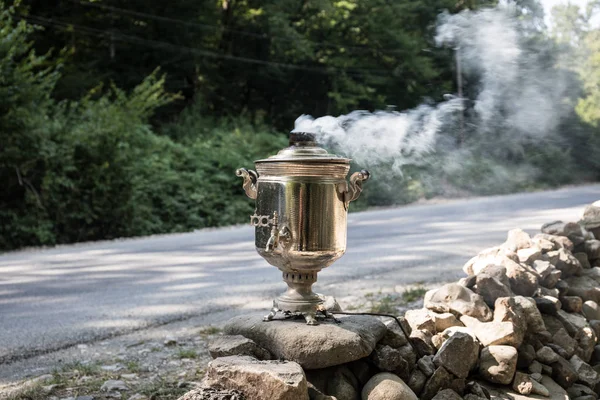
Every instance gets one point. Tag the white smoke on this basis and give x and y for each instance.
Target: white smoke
(516, 95)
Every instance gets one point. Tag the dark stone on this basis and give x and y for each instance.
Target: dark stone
(563, 373)
(441, 379)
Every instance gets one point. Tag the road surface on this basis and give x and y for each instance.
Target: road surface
(51, 299)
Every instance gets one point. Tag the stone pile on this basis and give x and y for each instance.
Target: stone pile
(523, 324)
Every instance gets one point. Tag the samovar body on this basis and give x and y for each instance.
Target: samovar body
(300, 220)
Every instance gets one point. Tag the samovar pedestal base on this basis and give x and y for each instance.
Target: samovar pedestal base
(299, 300)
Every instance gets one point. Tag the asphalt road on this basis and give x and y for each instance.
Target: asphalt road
(51, 299)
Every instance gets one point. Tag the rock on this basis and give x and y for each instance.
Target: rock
(539, 389)
(492, 283)
(394, 336)
(312, 347)
(458, 355)
(548, 305)
(474, 388)
(421, 340)
(523, 279)
(535, 367)
(386, 386)
(137, 396)
(562, 287)
(420, 320)
(543, 291)
(468, 281)
(417, 381)
(408, 353)
(426, 365)
(498, 364)
(567, 264)
(457, 300)
(444, 321)
(587, 340)
(573, 323)
(526, 356)
(591, 310)
(546, 355)
(495, 333)
(564, 373)
(583, 260)
(528, 256)
(522, 383)
(586, 374)
(583, 287)
(571, 304)
(517, 239)
(343, 385)
(517, 309)
(544, 245)
(564, 341)
(209, 393)
(578, 390)
(386, 358)
(571, 230)
(592, 249)
(438, 340)
(560, 242)
(316, 394)
(552, 280)
(441, 379)
(237, 345)
(595, 325)
(170, 341)
(591, 216)
(447, 394)
(491, 256)
(543, 268)
(113, 385)
(280, 380)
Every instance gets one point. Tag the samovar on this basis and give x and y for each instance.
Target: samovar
(302, 200)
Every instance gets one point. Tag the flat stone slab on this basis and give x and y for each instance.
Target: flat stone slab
(312, 347)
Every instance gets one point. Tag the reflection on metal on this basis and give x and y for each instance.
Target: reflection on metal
(300, 220)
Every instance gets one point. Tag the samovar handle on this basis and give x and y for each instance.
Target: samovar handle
(353, 189)
(250, 178)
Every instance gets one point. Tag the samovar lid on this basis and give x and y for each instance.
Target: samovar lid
(303, 147)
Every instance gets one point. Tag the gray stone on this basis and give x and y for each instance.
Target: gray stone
(552, 280)
(426, 365)
(518, 309)
(408, 353)
(420, 319)
(528, 256)
(526, 356)
(562, 339)
(447, 394)
(282, 380)
(343, 385)
(517, 239)
(458, 354)
(535, 367)
(560, 242)
(441, 379)
(386, 386)
(544, 245)
(474, 388)
(491, 256)
(548, 305)
(522, 383)
(546, 355)
(523, 279)
(567, 264)
(564, 373)
(571, 304)
(444, 321)
(583, 260)
(315, 394)
(394, 336)
(587, 375)
(113, 385)
(578, 390)
(492, 284)
(362, 370)
(592, 249)
(562, 287)
(591, 216)
(210, 393)
(421, 340)
(457, 300)
(591, 310)
(573, 323)
(417, 381)
(386, 358)
(237, 345)
(497, 364)
(495, 333)
(312, 347)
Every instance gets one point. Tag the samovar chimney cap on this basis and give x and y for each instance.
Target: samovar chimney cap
(302, 139)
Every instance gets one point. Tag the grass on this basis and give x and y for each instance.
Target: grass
(132, 366)
(34, 392)
(389, 303)
(84, 369)
(186, 353)
(162, 390)
(210, 330)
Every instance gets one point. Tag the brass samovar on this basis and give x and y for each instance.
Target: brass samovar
(301, 211)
